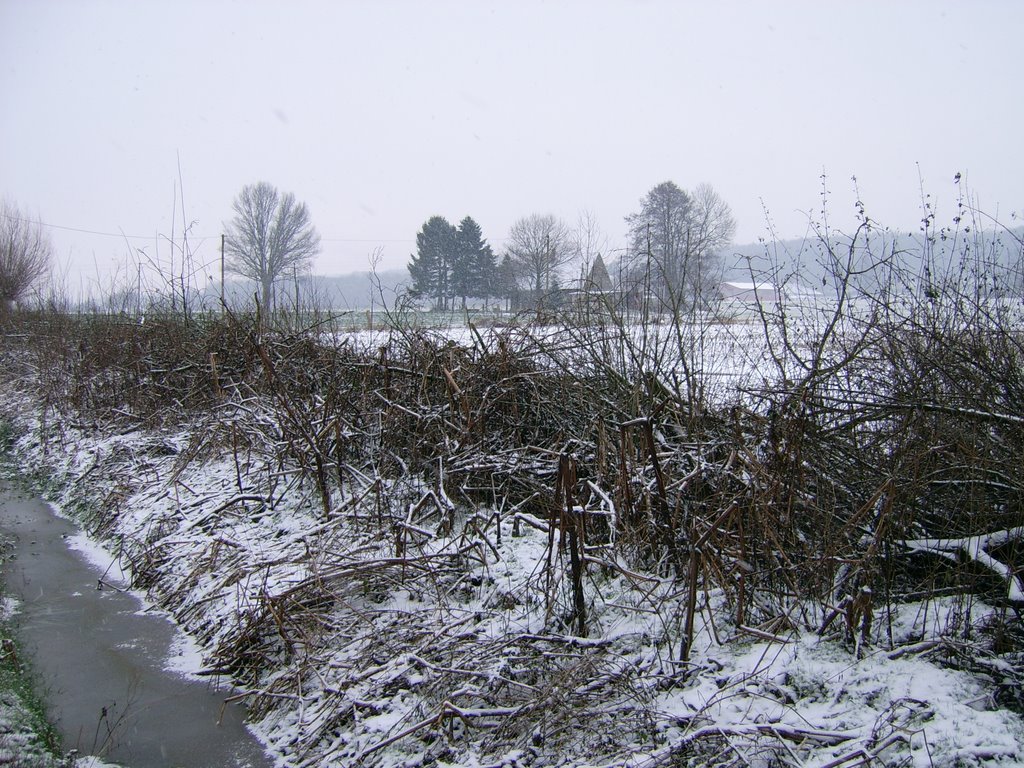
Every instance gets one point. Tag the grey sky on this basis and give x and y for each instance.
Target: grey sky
(379, 115)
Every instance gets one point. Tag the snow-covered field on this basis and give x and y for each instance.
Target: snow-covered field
(723, 358)
(433, 646)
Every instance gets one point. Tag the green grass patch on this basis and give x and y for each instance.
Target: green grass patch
(26, 735)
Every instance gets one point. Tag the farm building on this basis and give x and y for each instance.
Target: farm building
(748, 293)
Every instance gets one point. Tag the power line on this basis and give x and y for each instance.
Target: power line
(123, 236)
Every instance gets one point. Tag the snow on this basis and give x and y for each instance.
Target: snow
(93, 762)
(185, 656)
(812, 684)
(8, 608)
(975, 547)
(734, 356)
(102, 559)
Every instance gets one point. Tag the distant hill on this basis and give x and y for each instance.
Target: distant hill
(361, 290)
(809, 257)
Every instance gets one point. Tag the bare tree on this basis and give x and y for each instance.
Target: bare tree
(270, 236)
(675, 241)
(712, 227)
(25, 253)
(590, 240)
(539, 246)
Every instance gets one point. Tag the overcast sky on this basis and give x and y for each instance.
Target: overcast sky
(381, 114)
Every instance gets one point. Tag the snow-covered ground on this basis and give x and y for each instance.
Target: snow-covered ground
(433, 645)
(722, 358)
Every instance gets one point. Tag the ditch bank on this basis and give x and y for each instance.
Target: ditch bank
(390, 631)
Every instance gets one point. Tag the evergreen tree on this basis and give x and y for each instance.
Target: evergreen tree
(506, 287)
(421, 272)
(474, 265)
(487, 273)
(432, 268)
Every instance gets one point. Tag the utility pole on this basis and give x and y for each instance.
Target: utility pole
(223, 306)
(547, 263)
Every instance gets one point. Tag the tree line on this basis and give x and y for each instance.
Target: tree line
(453, 262)
(675, 239)
(673, 256)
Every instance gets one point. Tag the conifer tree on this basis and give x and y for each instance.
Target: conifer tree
(506, 286)
(432, 267)
(475, 264)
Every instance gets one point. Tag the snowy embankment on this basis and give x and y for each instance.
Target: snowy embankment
(413, 632)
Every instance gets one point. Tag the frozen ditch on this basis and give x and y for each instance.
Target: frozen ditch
(105, 662)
